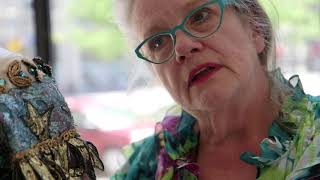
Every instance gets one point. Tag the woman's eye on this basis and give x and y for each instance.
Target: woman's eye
(199, 16)
(155, 43)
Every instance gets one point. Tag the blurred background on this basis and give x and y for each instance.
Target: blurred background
(93, 64)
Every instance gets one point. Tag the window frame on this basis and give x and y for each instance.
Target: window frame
(42, 24)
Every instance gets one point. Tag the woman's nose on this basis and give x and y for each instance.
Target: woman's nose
(186, 46)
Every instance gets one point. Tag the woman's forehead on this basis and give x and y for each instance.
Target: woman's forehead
(177, 5)
(152, 15)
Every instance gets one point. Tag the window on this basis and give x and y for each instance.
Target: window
(17, 26)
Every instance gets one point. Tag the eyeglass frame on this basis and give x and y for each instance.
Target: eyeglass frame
(172, 31)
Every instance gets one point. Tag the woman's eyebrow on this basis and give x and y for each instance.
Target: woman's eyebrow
(188, 6)
(191, 4)
(153, 30)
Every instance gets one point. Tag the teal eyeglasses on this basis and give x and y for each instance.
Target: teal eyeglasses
(201, 22)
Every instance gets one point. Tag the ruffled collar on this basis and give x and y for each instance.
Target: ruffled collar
(283, 129)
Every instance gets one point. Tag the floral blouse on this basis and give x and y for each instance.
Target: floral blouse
(291, 150)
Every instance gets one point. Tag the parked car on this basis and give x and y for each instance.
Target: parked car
(115, 119)
(313, 56)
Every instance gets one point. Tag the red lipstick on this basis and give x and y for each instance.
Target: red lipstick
(202, 73)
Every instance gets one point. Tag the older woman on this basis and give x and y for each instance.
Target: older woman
(213, 57)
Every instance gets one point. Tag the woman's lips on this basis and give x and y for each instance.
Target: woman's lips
(202, 73)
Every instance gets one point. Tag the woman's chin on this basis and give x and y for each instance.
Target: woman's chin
(210, 99)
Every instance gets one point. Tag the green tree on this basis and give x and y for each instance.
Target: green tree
(95, 32)
(301, 17)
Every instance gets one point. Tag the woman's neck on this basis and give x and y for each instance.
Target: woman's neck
(220, 156)
(245, 116)
(228, 132)
(224, 162)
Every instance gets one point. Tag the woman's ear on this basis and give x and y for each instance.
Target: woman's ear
(258, 41)
(257, 36)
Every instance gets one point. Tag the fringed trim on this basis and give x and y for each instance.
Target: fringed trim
(62, 157)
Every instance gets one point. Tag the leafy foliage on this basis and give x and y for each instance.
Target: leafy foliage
(300, 18)
(97, 11)
(95, 31)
